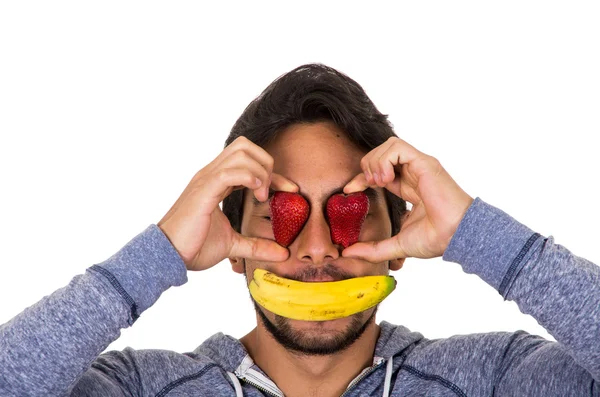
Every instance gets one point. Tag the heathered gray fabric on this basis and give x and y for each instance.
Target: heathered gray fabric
(52, 348)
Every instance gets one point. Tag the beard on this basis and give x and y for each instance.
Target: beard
(299, 343)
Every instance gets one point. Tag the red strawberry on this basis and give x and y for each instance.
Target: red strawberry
(346, 214)
(289, 212)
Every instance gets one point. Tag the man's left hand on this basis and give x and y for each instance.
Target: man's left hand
(438, 203)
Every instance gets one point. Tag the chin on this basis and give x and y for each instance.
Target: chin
(316, 337)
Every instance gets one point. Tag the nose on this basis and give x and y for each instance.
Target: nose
(314, 241)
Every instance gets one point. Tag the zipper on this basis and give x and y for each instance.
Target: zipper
(245, 372)
(350, 386)
(270, 393)
(361, 376)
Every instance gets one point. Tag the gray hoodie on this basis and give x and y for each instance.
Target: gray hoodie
(53, 348)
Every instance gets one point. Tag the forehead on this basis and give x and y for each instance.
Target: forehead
(318, 157)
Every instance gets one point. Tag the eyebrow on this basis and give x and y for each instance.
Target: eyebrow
(370, 192)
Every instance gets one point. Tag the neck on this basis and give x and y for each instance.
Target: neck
(314, 375)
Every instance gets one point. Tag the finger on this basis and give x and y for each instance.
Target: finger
(256, 248)
(394, 162)
(401, 152)
(226, 180)
(388, 165)
(375, 161)
(245, 160)
(259, 154)
(375, 251)
(234, 146)
(243, 144)
(367, 163)
(279, 182)
(357, 184)
(364, 165)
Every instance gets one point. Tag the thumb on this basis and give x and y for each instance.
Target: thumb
(256, 248)
(376, 251)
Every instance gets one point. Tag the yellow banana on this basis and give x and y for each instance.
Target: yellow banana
(280, 288)
(318, 301)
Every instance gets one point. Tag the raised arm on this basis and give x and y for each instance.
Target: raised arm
(47, 348)
(558, 288)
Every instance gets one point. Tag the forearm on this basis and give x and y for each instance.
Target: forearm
(559, 289)
(562, 292)
(46, 348)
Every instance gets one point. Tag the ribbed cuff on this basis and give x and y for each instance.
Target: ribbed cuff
(143, 269)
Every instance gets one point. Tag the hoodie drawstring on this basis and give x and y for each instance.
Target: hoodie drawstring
(388, 377)
(236, 384)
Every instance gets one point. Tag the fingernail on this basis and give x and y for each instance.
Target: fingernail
(258, 182)
(377, 179)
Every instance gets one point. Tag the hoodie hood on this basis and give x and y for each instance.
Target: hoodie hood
(230, 354)
(393, 339)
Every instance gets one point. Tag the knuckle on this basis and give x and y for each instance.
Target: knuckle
(249, 177)
(364, 162)
(222, 174)
(239, 142)
(264, 175)
(242, 155)
(270, 162)
(397, 142)
(376, 164)
(433, 161)
(197, 176)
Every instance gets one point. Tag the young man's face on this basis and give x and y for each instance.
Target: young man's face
(320, 159)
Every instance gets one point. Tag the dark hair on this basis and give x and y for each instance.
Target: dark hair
(312, 93)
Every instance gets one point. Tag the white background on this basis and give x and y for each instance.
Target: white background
(108, 109)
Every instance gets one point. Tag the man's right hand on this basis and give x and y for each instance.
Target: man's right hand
(196, 226)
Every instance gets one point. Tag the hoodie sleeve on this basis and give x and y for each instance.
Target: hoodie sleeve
(46, 349)
(559, 289)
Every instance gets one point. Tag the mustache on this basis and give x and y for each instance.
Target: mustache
(313, 272)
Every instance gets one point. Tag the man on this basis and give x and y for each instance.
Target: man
(314, 132)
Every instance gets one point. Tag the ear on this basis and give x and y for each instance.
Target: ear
(396, 264)
(237, 265)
